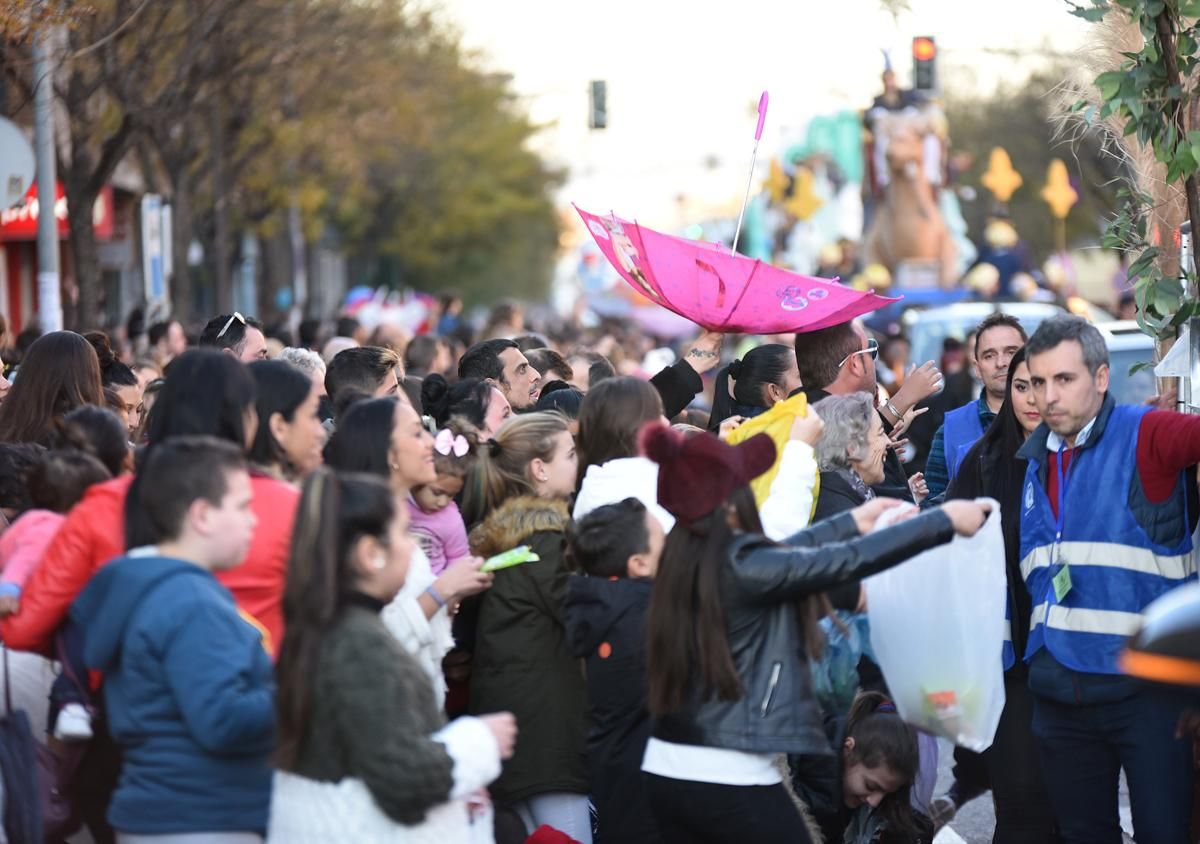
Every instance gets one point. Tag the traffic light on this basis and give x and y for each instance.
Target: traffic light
(598, 105)
(924, 52)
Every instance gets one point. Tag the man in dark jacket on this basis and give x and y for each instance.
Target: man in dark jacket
(679, 383)
(618, 546)
(840, 360)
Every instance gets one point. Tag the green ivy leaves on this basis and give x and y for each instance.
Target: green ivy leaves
(1140, 97)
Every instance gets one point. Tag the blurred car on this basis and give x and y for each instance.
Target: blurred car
(1127, 347)
(927, 329)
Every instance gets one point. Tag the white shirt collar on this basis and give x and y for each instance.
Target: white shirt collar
(1054, 442)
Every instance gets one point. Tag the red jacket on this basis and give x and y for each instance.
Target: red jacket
(94, 533)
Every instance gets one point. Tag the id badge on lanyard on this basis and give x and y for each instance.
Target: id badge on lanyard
(1060, 584)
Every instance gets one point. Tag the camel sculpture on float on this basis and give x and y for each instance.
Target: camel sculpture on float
(908, 233)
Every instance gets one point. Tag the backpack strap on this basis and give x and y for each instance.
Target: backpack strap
(8, 707)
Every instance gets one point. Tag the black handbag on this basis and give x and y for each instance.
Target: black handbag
(20, 771)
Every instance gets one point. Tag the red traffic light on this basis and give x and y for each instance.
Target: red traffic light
(924, 50)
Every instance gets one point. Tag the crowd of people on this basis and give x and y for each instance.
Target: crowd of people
(504, 587)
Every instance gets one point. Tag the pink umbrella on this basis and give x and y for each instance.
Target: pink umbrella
(721, 290)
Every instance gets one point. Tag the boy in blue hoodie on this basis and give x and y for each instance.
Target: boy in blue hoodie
(188, 689)
(618, 546)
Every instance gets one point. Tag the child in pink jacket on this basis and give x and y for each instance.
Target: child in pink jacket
(436, 523)
(55, 485)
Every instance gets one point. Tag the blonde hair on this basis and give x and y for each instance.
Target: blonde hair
(501, 470)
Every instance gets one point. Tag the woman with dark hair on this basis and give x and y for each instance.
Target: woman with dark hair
(561, 397)
(290, 436)
(992, 469)
(728, 654)
(860, 792)
(765, 375)
(59, 373)
(362, 440)
(120, 379)
(611, 467)
(99, 432)
(477, 401)
(361, 739)
(521, 661)
(386, 438)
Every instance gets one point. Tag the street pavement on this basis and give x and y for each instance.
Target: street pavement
(975, 822)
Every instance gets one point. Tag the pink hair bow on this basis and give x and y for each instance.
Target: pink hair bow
(446, 442)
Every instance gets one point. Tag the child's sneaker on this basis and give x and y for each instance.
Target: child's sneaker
(74, 723)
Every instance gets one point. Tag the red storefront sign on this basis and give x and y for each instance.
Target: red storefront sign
(20, 221)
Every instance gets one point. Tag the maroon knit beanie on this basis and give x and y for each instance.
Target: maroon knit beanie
(698, 474)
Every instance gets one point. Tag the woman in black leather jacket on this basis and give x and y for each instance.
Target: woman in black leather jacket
(732, 625)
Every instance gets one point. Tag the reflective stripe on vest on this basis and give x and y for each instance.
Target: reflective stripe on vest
(1086, 621)
(1115, 568)
(1113, 555)
(961, 429)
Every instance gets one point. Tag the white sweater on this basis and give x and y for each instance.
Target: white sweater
(788, 507)
(616, 480)
(786, 511)
(427, 639)
(305, 811)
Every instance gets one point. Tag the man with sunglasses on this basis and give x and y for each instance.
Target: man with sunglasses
(237, 335)
(840, 360)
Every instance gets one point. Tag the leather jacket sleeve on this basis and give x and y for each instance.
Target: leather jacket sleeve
(839, 528)
(771, 574)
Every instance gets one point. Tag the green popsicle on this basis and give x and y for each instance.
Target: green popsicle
(515, 557)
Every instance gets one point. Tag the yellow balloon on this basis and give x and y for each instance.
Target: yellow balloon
(1058, 193)
(1001, 178)
(777, 182)
(804, 202)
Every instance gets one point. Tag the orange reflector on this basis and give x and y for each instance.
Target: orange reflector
(1160, 669)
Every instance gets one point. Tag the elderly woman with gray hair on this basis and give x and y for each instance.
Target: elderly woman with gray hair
(850, 454)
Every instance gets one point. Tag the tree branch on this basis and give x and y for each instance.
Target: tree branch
(1164, 25)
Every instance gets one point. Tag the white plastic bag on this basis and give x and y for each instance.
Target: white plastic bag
(937, 629)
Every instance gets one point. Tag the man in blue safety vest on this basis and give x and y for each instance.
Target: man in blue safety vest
(997, 339)
(1106, 524)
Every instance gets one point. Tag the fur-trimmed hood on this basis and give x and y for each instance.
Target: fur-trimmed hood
(514, 521)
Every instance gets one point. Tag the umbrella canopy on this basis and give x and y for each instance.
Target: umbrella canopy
(1167, 648)
(720, 290)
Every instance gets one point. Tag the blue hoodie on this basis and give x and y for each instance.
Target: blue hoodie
(188, 694)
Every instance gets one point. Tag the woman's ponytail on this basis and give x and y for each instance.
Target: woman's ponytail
(501, 470)
(723, 404)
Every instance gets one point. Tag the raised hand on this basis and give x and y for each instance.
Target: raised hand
(705, 353)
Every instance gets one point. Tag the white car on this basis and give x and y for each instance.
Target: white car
(1128, 346)
(927, 328)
